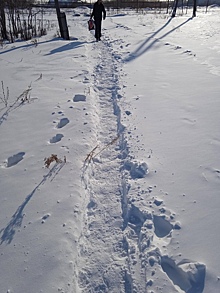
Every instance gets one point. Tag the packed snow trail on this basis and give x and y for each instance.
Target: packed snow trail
(104, 262)
(102, 256)
(115, 245)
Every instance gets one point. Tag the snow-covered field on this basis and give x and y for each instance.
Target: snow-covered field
(132, 203)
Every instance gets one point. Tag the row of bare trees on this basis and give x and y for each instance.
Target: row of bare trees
(18, 19)
(176, 3)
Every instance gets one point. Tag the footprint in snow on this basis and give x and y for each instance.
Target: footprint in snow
(162, 226)
(63, 122)
(79, 98)
(189, 276)
(136, 218)
(56, 138)
(15, 159)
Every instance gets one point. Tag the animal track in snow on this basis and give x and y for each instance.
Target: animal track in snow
(79, 98)
(127, 112)
(56, 138)
(184, 51)
(63, 122)
(158, 202)
(59, 112)
(44, 218)
(189, 121)
(211, 174)
(189, 52)
(15, 159)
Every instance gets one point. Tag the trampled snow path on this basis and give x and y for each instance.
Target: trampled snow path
(122, 247)
(102, 259)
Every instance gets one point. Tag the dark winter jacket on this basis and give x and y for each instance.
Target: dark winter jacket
(98, 9)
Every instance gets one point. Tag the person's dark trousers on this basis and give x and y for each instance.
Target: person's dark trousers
(98, 26)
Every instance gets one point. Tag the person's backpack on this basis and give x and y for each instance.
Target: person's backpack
(91, 25)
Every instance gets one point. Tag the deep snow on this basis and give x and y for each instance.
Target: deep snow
(132, 203)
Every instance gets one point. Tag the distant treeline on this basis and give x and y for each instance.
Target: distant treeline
(135, 4)
(116, 4)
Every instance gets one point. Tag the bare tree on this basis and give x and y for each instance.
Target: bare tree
(176, 5)
(175, 8)
(194, 7)
(3, 20)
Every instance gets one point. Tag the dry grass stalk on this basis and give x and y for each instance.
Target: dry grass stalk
(5, 97)
(90, 155)
(40, 77)
(93, 154)
(107, 145)
(25, 96)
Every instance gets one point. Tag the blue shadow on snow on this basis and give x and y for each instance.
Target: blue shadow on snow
(9, 231)
(150, 42)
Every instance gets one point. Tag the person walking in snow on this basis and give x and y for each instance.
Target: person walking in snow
(97, 12)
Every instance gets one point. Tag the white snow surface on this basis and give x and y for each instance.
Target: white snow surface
(132, 204)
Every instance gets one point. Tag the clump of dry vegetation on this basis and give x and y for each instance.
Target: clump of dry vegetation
(53, 158)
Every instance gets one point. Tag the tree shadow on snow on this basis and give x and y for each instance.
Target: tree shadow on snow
(11, 108)
(9, 231)
(151, 41)
(69, 46)
(27, 46)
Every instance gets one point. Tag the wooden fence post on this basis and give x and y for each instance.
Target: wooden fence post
(64, 32)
